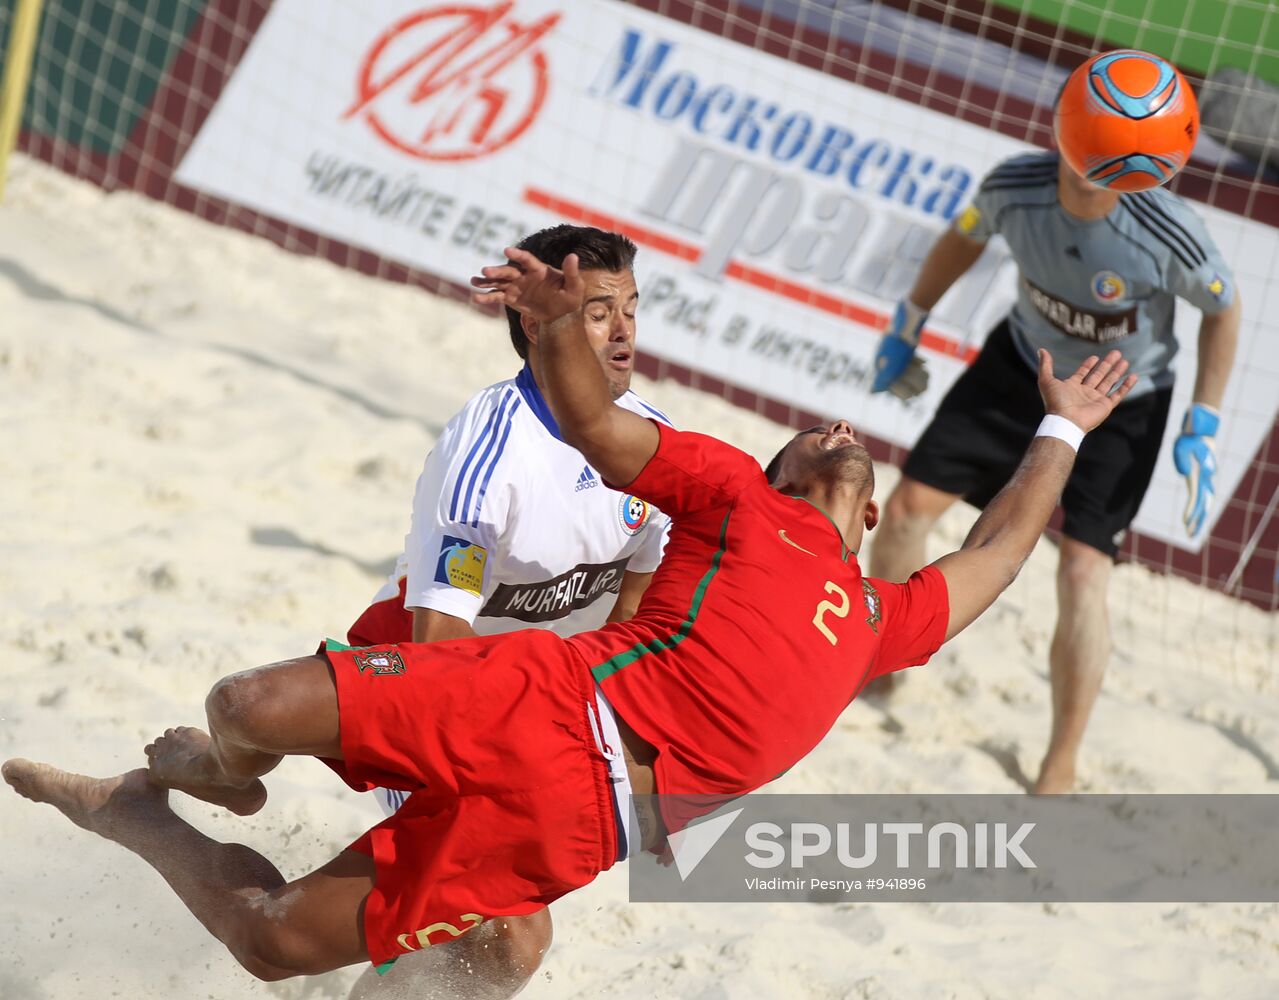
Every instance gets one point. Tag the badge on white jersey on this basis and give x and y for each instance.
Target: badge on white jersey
(461, 565)
(633, 513)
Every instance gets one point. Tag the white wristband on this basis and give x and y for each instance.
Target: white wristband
(1054, 426)
(915, 320)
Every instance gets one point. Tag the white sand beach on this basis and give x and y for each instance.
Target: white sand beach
(209, 452)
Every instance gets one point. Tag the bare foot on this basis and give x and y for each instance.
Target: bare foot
(101, 805)
(1054, 779)
(180, 759)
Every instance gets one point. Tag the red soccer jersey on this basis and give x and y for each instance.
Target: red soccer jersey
(757, 630)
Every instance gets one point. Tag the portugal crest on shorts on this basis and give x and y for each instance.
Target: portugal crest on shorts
(380, 662)
(633, 513)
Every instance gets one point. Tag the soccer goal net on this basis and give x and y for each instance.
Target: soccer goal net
(783, 164)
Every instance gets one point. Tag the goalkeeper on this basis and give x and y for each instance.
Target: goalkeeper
(1097, 270)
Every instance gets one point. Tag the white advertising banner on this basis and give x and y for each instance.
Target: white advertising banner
(780, 211)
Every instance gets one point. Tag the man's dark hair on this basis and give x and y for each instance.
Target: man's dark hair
(596, 250)
(774, 468)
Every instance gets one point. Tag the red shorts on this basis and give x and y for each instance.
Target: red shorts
(511, 805)
(385, 621)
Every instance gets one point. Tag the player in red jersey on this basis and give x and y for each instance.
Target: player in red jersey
(757, 631)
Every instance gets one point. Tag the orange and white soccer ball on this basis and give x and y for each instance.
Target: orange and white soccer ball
(1126, 120)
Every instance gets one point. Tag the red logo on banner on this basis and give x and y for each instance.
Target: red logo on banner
(455, 82)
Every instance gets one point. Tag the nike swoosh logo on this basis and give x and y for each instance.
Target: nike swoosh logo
(781, 533)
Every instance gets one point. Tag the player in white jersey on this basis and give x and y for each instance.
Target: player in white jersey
(1097, 270)
(513, 529)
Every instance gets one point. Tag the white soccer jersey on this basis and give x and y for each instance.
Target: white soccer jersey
(512, 529)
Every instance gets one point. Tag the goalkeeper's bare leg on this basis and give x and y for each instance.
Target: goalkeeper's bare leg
(900, 542)
(1077, 658)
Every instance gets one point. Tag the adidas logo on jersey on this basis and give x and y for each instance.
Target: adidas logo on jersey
(586, 481)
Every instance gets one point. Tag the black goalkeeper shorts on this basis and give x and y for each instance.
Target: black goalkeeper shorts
(985, 424)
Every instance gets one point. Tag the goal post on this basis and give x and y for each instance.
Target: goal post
(17, 71)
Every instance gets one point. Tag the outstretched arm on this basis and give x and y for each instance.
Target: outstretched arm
(948, 261)
(615, 441)
(1193, 451)
(897, 367)
(1008, 529)
(1218, 341)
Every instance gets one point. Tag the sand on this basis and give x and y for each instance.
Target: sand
(209, 453)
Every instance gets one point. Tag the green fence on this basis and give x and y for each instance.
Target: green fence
(1197, 35)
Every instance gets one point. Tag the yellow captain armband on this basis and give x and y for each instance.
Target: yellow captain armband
(968, 219)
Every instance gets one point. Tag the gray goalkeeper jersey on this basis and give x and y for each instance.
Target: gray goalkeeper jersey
(1088, 285)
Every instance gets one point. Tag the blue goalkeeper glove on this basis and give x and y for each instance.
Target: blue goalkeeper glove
(897, 369)
(1195, 458)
